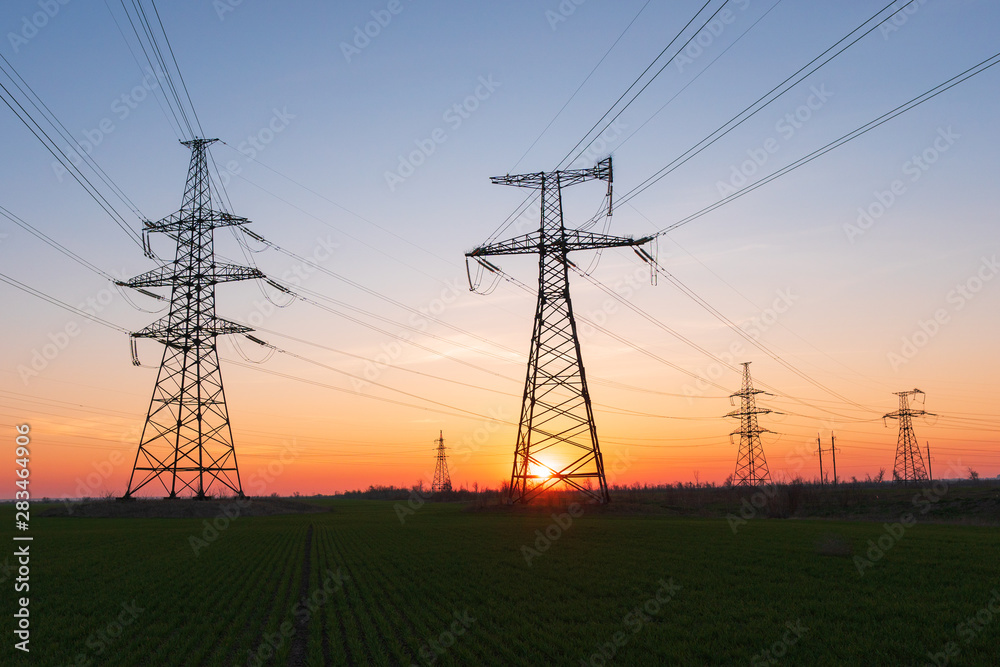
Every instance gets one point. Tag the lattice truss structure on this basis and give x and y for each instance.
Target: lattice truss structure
(442, 478)
(187, 443)
(751, 464)
(909, 467)
(557, 439)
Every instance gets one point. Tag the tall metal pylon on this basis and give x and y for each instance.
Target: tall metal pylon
(187, 442)
(909, 466)
(556, 439)
(442, 478)
(751, 465)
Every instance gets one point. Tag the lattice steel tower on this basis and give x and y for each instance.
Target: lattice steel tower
(751, 466)
(909, 465)
(442, 479)
(557, 439)
(187, 443)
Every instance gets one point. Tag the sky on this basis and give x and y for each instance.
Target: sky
(871, 270)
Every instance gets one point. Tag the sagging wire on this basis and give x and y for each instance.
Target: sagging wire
(486, 265)
(144, 292)
(253, 339)
(135, 352)
(650, 258)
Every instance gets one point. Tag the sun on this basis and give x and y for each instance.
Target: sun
(542, 470)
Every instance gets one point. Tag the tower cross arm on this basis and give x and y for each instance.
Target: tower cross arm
(182, 219)
(164, 330)
(578, 240)
(167, 275)
(571, 240)
(564, 177)
(519, 245)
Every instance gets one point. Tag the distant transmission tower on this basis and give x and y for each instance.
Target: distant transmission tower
(751, 466)
(187, 444)
(442, 479)
(557, 439)
(909, 465)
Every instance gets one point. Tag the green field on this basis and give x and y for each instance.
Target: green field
(453, 586)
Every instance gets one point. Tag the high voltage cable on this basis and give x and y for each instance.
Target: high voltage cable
(620, 339)
(699, 74)
(582, 84)
(61, 304)
(180, 75)
(647, 84)
(687, 291)
(631, 306)
(460, 415)
(531, 197)
(42, 108)
(177, 130)
(36, 129)
(55, 244)
(375, 293)
(854, 134)
(791, 81)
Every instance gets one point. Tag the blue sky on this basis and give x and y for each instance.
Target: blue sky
(348, 115)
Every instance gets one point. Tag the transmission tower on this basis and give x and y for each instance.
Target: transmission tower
(442, 479)
(557, 438)
(187, 443)
(751, 466)
(909, 465)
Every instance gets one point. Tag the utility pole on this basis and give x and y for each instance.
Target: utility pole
(557, 438)
(909, 466)
(187, 442)
(442, 479)
(833, 450)
(930, 472)
(751, 466)
(819, 448)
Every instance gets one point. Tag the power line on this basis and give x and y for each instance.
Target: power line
(38, 294)
(582, 84)
(837, 143)
(760, 103)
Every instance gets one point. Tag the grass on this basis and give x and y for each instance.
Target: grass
(413, 588)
